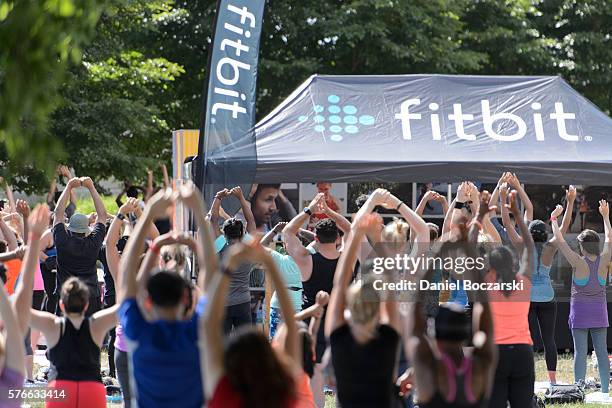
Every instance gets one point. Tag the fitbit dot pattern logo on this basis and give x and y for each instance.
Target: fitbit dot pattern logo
(341, 120)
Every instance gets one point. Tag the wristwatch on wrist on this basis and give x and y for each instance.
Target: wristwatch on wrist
(121, 216)
(459, 205)
(307, 211)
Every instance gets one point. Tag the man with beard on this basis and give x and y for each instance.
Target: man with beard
(270, 206)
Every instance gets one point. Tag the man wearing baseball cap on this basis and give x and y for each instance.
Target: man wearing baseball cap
(78, 245)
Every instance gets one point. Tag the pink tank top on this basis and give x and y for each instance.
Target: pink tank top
(120, 343)
(39, 284)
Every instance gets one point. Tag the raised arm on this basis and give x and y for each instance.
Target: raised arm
(417, 345)
(64, 171)
(527, 262)
(574, 259)
(414, 220)
(285, 208)
(570, 197)
(509, 225)
(448, 216)
(344, 271)
(98, 204)
(489, 228)
(149, 188)
(495, 193)
(14, 254)
(51, 193)
(112, 237)
(286, 306)
(298, 252)
(516, 184)
(62, 202)
(9, 235)
(9, 196)
(213, 214)
(167, 182)
(211, 323)
(550, 250)
(130, 260)
(39, 220)
(427, 197)
(461, 203)
(278, 228)
(246, 209)
(23, 209)
(343, 224)
(604, 210)
(206, 255)
(321, 300)
(14, 348)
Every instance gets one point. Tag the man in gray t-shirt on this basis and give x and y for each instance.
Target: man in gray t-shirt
(238, 303)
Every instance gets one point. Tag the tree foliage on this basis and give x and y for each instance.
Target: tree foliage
(104, 82)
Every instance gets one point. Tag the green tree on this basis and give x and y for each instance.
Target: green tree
(113, 119)
(38, 40)
(583, 51)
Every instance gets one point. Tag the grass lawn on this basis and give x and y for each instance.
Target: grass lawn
(564, 375)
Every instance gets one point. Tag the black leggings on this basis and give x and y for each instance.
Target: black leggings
(111, 352)
(48, 276)
(236, 316)
(542, 318)
(514, 377)
(123, 375)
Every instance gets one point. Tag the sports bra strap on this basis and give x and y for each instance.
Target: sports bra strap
(465, 370)
(451, 377)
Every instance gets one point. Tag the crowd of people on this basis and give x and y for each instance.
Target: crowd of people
(177, 312)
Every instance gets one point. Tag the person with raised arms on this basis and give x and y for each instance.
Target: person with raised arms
(164, 357)
(364, 348)
(12, 352)
(588, 305)
(317, 270)
(112, 251)
(543, 308)
(74, 340)
(246, 371)
(515, 373)
(77, 246)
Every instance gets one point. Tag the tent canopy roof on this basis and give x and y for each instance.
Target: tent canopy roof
(400, 128)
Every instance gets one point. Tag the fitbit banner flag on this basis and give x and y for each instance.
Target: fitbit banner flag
(229, 104)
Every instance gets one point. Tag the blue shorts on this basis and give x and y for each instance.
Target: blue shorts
(275, 321)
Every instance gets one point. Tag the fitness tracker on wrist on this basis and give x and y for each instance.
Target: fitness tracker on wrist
(121, 216)
(307, 211)
(459, 205)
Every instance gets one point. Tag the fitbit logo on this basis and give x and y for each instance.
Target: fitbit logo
(515, 131)
(337, 119)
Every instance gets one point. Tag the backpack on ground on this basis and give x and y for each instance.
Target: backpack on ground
(563, 394)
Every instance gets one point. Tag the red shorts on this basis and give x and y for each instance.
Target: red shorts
(78, 394)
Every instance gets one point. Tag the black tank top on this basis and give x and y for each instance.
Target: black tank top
(322, 278)
(75, 356)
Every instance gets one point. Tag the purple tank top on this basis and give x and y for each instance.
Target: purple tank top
(10, 380)
(588, 305)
